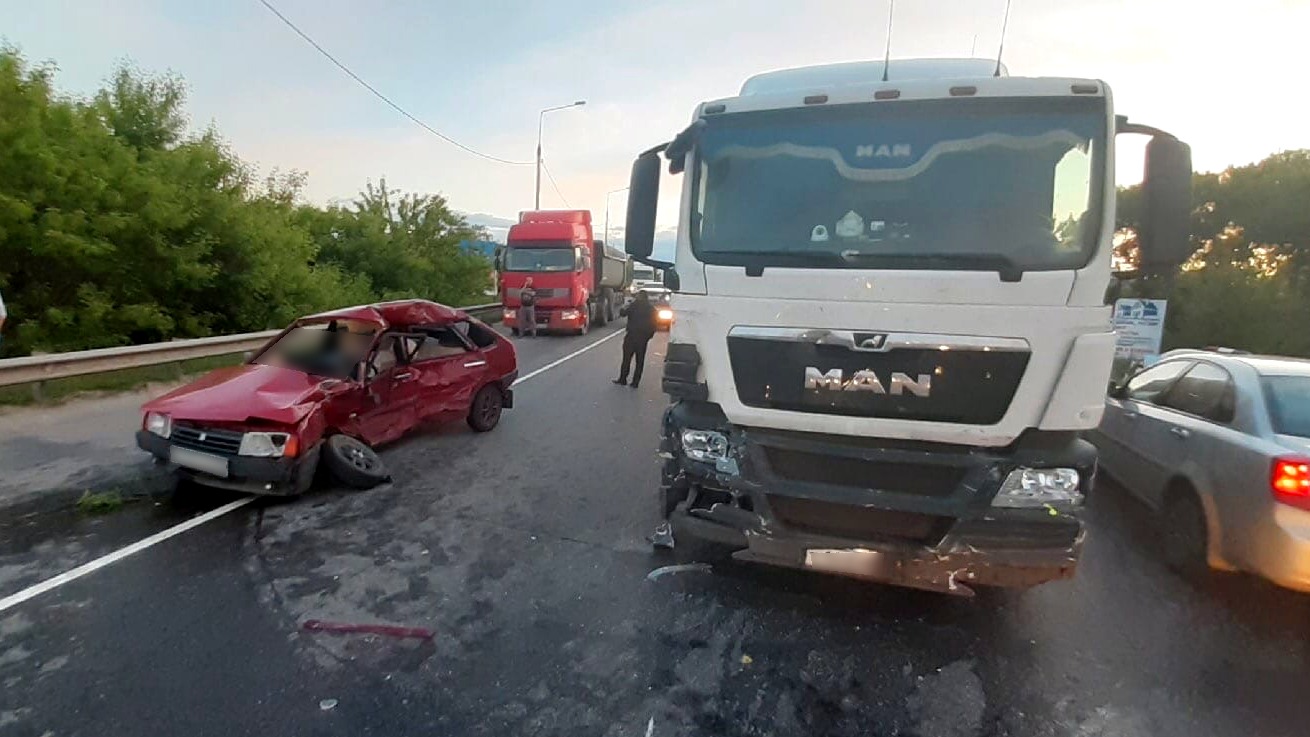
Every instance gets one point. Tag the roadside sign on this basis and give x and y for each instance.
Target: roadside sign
(1139, 328)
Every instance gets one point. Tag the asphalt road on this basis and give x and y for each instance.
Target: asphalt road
(524, 551)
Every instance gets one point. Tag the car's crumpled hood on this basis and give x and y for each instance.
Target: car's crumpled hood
(1294, 442)
(242, 392)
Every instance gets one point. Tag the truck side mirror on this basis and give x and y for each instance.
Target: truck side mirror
(1164, 235)
(643, 198)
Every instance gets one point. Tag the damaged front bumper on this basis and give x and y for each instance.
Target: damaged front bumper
(907, 513)
(263, 476)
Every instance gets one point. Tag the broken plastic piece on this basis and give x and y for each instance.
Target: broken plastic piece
(682, 568)
(386, 630)
(327, 704)
(747, 660)
(663, 536)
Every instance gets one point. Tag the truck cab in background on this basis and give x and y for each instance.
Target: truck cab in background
(890, 290)
(579, 281)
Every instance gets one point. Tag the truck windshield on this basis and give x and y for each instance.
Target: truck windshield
(554, 258)
(1289, 404)
(938, 184)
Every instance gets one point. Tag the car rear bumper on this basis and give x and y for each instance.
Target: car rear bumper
(267, 476)
(808, 501)
(1284, 548)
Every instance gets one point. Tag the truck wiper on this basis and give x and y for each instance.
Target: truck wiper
(1003, 265)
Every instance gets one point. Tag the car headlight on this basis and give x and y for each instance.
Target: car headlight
(705, 445)
(664, 314)
(267, 444)
(1038, 487)
(159, 423)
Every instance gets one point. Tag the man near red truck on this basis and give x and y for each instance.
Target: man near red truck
(528, 308)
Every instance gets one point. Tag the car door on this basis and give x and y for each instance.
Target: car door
(1122, 431)
(389, 408)
(450, 369)
(1185, 427)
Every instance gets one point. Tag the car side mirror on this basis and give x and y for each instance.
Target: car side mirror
(1164, 235)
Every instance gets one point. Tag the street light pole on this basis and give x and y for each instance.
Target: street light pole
(541, 117)
(607, 211)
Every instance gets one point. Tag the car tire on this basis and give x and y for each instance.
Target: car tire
(1183, 535)
(353, 463)
(487, 406)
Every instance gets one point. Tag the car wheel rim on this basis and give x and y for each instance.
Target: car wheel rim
(361, 458)
(488, 408)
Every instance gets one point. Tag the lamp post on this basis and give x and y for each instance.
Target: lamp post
(536, 202)
(607, 211)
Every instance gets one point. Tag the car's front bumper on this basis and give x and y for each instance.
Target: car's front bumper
(268, 476)
(901, 513)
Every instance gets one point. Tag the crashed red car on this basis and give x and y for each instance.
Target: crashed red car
(327, 390)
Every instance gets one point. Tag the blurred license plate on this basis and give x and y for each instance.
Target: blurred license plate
(846, 561)
(197, 461)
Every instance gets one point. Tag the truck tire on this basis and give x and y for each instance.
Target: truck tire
(603, 311)
(484, 412)
(353, 463)
(586, 324)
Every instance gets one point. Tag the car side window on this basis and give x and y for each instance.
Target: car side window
(439, 342)
(481, 336)
(1205, 391)
(384, 357)
(1148, 385)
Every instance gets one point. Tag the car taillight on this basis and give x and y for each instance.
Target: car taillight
(1291, 481)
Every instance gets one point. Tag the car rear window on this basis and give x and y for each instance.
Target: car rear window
(1289, 404)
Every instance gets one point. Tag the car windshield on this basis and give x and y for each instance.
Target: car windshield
(1289, 404)
(955, 184)
(559, 258)
(331, 350)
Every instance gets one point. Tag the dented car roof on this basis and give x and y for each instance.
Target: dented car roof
(400, 313)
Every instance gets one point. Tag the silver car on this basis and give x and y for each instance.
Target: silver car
(1219, 445)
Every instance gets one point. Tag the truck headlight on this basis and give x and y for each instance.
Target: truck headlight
(664, 313)
(1037, 487)
(570, 315)
(267, 445)
(159, 423)
(705, 445)
(510, 315)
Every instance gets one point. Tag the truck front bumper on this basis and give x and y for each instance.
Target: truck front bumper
(910, 514)
(551, 318)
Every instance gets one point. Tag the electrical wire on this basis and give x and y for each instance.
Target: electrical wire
(553, 185)
(383, 97)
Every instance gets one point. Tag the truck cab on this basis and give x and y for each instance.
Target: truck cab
(578, 280)
(890, 288)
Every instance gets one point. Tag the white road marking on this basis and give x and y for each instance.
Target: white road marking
(87, 568)
(574, 354)
(49, 584)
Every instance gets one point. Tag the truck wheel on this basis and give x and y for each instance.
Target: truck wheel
(603, 311)
(484, 413)
(586, 324)
(353, 463)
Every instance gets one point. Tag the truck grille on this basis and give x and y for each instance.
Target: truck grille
(222, 442)
(920, 479)
(861, 523)
(969, 384)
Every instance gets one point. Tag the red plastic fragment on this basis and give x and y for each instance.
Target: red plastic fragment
(386, 630)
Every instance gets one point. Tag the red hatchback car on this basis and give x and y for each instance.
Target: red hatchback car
(329, 388)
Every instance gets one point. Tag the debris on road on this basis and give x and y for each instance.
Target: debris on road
(746, 659)
(327, 704)
(681, 568)
(386, 630)
(662, 537)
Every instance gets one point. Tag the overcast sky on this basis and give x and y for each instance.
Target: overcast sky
(1218, 74)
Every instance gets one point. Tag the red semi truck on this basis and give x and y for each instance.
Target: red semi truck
(579, 280)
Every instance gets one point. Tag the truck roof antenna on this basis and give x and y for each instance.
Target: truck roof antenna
(1005, 24)
(887, 58)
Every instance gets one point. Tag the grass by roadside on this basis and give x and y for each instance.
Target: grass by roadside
(59, 390)
(101, 502)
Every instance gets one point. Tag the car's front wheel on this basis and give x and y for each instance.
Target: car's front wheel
(353, 463)
(484, 413)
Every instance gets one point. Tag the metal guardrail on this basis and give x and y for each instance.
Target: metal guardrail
(36, 369)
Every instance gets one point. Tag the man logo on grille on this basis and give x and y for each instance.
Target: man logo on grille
(865, 380)
(203, 437)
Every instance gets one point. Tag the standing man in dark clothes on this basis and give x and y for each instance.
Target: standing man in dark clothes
(528, 308)
(641, 328)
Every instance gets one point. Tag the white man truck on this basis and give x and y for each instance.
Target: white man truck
(891, 288)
